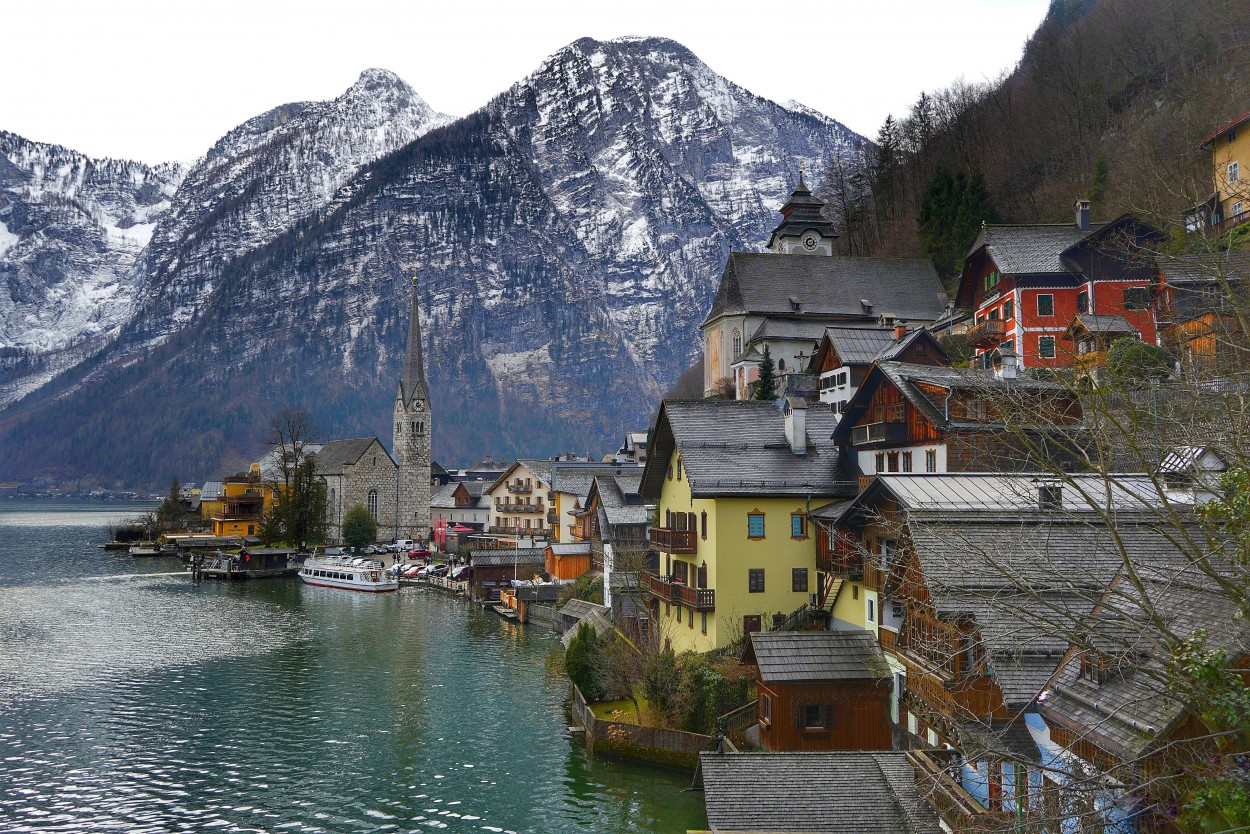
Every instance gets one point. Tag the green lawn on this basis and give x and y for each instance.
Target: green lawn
(623, 711)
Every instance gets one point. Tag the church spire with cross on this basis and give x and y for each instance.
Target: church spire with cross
(413, 430)
(803, 229)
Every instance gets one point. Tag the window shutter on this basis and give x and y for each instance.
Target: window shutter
(828, 716)
(799, 711)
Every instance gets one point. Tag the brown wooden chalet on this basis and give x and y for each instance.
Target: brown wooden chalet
(614, 514)
(1199, 318)
(844, 356)
(821, 690)
(911, 418)
(980, 581)
(1112, 701)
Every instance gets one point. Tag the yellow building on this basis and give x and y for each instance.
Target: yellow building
(244, 503)
(734, 482)
(1229, 202)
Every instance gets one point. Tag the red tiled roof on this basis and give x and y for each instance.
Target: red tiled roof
(1243, 117)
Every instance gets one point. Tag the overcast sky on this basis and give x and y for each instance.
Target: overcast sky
(164, 80)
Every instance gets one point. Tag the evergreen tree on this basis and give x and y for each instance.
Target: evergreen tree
(170, 509)
(359, 528)
(952, 211)
(765, 387)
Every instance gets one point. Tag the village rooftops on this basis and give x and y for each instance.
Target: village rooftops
(1031, 249)
(816, 656)
(845, 792)
(858, 289)
(739, 447)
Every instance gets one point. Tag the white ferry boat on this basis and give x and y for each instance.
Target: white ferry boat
(348, 573)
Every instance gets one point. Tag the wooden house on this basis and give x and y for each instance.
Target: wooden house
(845, 355)
(491, 570)
(1199, 312)
(567, 560)
(978, 582)
(821, 690)
(928, 419)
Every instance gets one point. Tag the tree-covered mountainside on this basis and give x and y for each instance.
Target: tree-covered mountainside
(568, 237)
(1109, 101)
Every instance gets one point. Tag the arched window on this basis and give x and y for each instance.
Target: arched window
(331, 496)
(420, 427)
(781, 364)
(737, 344)
(373, 504)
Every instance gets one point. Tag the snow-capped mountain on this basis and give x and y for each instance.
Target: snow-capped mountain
(568, 237)
(71, 229)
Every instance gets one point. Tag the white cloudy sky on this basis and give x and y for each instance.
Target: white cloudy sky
(163, 80)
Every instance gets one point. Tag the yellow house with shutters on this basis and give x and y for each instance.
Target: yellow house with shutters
(1229, 203)
(734, 482)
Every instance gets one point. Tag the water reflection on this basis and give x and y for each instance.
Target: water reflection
(147, 702)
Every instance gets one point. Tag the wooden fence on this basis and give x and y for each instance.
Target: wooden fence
(672, 748)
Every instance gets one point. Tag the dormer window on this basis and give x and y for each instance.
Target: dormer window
(1094, 667)
(866, 305)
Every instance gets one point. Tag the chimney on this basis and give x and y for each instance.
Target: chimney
(1005, 364)
(1082, 215)
(1049, 495)
(900, 330)
(796, 424)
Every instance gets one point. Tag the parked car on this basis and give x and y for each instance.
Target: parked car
(411, 571)
(459, 574)
(422, 553)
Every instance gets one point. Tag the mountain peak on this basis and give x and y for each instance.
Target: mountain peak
(375, 78)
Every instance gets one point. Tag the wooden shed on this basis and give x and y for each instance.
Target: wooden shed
(821, 690)
(567, 560)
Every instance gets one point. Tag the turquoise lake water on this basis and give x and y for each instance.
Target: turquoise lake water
(134, 699)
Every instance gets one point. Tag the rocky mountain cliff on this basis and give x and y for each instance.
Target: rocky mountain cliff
(568, 237)
(71, 229)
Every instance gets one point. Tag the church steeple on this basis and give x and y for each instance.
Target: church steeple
(803, 229)
(412, 384)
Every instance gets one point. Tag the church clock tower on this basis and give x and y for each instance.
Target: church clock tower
(804, 230)
(413, 428)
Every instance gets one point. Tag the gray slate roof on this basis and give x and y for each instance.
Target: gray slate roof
(444, 496)
(506, 557)
(829, 287)
(788, 330)
(1030, 249)
(1133, 709)
(576, 478)
(1104, 324)
(335, 455)
(739, 447)
(817, 656)
(814, 793)
(569, 548)
(859, 345)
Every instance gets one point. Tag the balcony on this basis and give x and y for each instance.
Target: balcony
(678, 593)
(879, 434)
(679, 542)
(1090, 359)
(519, 507)
(520, 488)
(989, 333)
(510, 530)
(936, 779)
(553, 517)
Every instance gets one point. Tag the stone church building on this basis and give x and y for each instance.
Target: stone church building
(396, 489)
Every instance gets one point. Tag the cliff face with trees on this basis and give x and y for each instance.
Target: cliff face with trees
(1109, 102)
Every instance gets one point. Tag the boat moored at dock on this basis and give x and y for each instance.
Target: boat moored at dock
(348, 573)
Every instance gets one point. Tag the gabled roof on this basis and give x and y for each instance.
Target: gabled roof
(335, 455)
(1099, 325)
(1192, 460)
(569, 548)
(828, 287)
(1237, 122)
(576, 478)
(859, 345)
(539, 468)
(816, 656)
(909, 378)
(781, 330)
(1030, 249)
(739, 447)
(505, 557)
(846, 792)
(1133, 709)
(212, 490)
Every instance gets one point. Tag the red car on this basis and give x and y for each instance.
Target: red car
(419, 554)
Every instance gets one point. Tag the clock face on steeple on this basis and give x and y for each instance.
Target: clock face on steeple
(809, 242)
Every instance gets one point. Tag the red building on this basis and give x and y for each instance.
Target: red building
(1027, 285)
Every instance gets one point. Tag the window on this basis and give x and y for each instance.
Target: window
(1136, 298)
(798, 526)
(1045, 304)
(1009, 310)
(1046, 347)
(854, 592)
(331, 496)
(880, 461)
(1236, 209)
(992, 279)
(930, 460)
(993, 314)
(872, 618)
(1082, 301)
(1093, 668)
(703, 524)
(373, 504)
(1234, 172)
(752, 623)
(766, 709)
(815, 716)
(755, 580)
(737, 342)
(679, 468)
(755, 525)
(799, 580)
(906, 461)
(892, 460)
(781, 364)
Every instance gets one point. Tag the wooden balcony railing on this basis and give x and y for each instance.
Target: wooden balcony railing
(956, 807)
(681, 542)
(520, 507)
(678, 593)
(874, 434)
(520, 487)
(989, 333)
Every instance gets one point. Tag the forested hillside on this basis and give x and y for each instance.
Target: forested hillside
(1109, 102)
